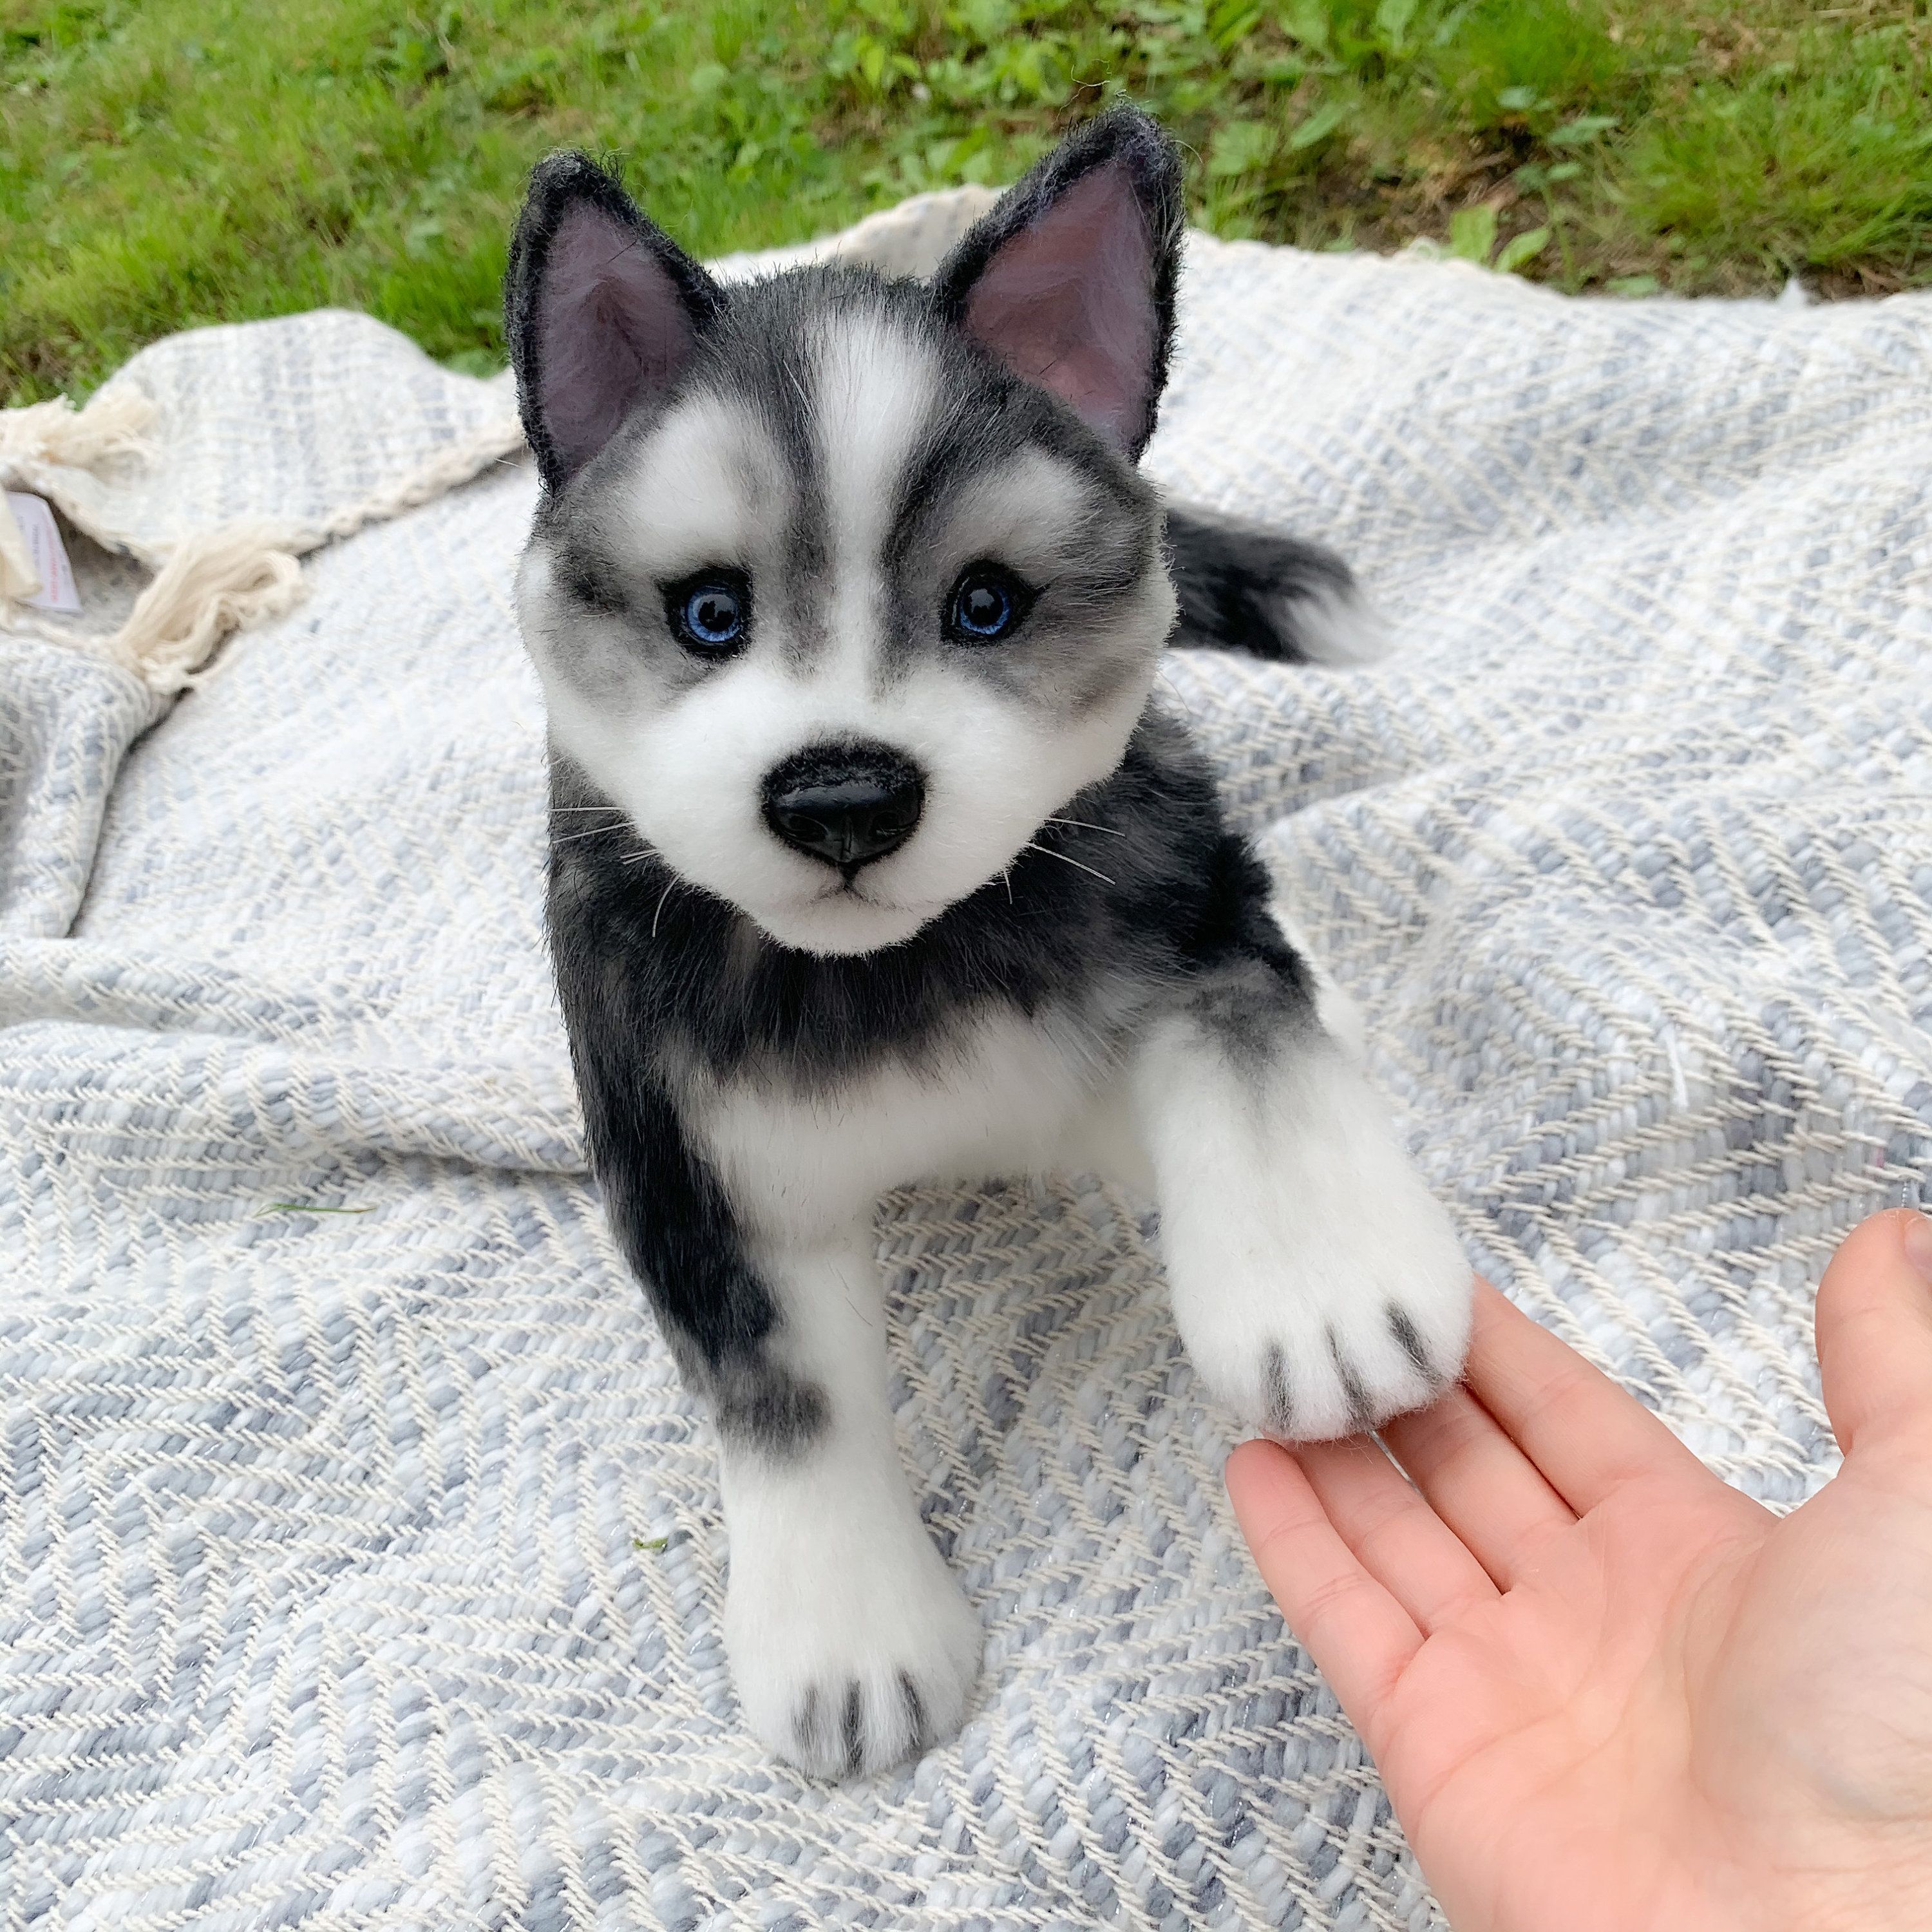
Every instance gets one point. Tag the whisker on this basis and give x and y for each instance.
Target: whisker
(1006, 874)
(1111, 831)
(659, 913)
(1064, 860)
(593, 832)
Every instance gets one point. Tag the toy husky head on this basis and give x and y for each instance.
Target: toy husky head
(841, 587)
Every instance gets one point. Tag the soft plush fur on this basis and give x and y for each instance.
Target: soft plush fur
(873, 861)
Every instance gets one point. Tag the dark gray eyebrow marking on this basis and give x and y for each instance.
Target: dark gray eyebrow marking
(768, 371)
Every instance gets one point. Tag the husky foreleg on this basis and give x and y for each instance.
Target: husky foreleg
(851, 1645)
(1317, 1283)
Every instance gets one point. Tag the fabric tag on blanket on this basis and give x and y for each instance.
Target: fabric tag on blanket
(57, 591)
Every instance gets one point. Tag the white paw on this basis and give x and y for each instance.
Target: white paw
(1317, 1283)
(1345, 1331)
(850, 1645)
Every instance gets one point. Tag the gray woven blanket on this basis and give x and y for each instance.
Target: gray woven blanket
(360, 1554)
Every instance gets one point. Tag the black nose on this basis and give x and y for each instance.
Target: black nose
(844, 803)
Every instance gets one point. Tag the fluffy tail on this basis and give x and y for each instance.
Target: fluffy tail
(1245, 588)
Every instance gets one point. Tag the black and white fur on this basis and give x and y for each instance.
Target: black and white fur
(1069, 962)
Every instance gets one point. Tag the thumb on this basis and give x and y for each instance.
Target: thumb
(1875, 1332)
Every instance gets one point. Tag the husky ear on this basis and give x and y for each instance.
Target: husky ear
(1069, 279)
(601, 311)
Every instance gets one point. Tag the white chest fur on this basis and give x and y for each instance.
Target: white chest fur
(1005, 1096)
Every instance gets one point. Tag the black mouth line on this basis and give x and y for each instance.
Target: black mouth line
(850, 892)
(847, 888)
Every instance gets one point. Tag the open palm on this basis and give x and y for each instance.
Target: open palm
(1606, 1692)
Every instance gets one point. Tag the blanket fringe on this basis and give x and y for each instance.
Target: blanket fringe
(110, 425)
(245, 572)
(215, 582)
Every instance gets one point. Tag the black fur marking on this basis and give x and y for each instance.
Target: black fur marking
(668, 1210)
(1410, 1340)
(915, 1712)
(852, 1731)
(1361, 1410)
(1251, 990)
(805, 1725)
(583, 576)
(757, 354)
(1124, 137)
(1280, 1403)
(759, 1402)
(1239, 585)
(1234, 921)
(1251, 1010)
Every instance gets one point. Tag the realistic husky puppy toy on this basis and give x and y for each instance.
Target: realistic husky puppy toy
(873, 861)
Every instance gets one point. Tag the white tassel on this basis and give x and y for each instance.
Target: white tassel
(216, 581)
(55, 432)
(238, 574)
(246, 571)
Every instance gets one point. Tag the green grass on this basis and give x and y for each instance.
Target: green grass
(176, 162)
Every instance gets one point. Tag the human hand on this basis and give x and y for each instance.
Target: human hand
(1606, 1692)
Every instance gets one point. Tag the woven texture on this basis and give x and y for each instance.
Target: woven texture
(364, 1568)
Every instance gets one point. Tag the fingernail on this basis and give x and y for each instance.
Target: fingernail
(1918, 1244)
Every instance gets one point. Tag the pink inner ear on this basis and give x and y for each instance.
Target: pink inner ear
(1068, 303)
(612, 328)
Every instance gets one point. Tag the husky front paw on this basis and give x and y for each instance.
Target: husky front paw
(1344, 1333)
(1317, 1282)
(851, 1645)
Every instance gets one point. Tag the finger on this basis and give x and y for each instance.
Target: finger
(1401, 1542)
(1360, 1638)
(1875, 1331)
(1586, 1434)
(1479, 1482)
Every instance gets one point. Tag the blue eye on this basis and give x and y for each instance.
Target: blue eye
(710, 612)
(987, 604)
